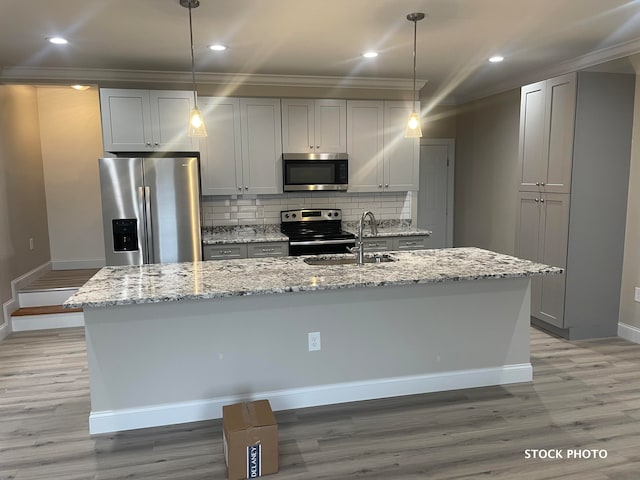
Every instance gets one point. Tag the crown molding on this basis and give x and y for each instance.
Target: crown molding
(590, 59)
(33, 75)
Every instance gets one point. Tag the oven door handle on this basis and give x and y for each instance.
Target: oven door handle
(322, 242)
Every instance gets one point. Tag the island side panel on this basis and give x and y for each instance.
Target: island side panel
(194, 356)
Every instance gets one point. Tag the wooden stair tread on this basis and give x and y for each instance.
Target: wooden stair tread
(44, 310)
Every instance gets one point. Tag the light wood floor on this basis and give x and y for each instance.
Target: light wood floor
(585, 395)
(55, 279)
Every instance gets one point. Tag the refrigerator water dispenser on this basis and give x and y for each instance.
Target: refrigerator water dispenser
(125, 234)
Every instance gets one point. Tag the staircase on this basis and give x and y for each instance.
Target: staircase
(41, 301)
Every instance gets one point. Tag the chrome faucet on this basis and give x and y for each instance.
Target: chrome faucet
(374, 231)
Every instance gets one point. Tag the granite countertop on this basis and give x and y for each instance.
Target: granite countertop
(172, 282)
(388, 228)
(242, 234)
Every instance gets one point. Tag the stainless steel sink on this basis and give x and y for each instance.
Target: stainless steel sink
(341, 260)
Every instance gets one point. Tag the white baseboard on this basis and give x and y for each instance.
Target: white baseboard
(77, 264)
(198, 410)
(47, 322)
(629, 332)
(5, 329)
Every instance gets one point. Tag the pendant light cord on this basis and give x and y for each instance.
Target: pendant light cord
(415, 34)
(193, 64)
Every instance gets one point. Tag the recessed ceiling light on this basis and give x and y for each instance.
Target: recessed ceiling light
(58, 40)
(217, 47)
(370, 54)
(81, 87)
(496, 59)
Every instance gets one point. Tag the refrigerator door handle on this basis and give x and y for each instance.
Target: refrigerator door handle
(144, 234)
(149, 226)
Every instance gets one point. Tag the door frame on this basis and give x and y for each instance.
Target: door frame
(451, 143)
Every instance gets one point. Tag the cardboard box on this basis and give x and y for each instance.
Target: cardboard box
(250, 436)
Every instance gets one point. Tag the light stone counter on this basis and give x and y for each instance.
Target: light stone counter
(388, 228)
(263, 276)
(242, 234)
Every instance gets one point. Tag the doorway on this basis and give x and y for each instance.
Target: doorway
(435, 197)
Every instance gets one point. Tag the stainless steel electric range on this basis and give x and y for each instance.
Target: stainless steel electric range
(317, 231)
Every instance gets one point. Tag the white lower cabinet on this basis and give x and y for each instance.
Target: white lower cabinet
(245, 250)
(409, 242)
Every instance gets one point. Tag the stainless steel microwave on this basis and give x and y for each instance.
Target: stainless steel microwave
(315, 171)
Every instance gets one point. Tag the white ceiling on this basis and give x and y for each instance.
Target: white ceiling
(322, 38)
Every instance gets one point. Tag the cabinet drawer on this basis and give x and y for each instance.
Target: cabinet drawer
(410, 243)
(378, 244)
(271, 249)
(221, 252)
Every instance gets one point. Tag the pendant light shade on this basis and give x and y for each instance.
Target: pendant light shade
(413, 123)
(196, 121)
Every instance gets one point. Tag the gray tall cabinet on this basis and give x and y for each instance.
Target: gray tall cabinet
(574, 153)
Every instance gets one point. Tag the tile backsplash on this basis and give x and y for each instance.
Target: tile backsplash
(265, 209)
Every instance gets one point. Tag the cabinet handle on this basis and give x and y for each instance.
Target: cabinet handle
(410, 243)
(311, 147)
(240, 188)
(537, 184)
(267, 250)
(386, 185)
(536, 200)
(246, 187)
(225, 252)
(148, 144)
(317, 146)
(542, 184)
(542, 200)
(156, 144)
(379, 185)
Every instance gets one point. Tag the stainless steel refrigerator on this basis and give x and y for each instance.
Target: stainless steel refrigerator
(150, 210)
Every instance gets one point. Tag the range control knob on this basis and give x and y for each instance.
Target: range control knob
(329, 214)
(286, 215)
(293, 215)
(335, 214)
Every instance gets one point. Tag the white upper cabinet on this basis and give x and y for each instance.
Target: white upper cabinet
(547, 123)
(365, 123)
(221, 150)
(146, 120)
(380, 158)
(401, 155)
(314, 126)
(261, 127)
(242, 153)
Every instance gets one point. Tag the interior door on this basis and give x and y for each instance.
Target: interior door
(435, 197)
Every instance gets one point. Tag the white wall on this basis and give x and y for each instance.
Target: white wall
(629, 309)
(70, 135)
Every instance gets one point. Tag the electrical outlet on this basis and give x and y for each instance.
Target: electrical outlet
(314, 341)
(637, 295)
(32, 244)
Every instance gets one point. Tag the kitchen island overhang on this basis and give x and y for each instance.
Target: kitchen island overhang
(172, 343)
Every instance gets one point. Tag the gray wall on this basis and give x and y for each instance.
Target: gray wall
(486, 172)
(629, 309)
(23, 211)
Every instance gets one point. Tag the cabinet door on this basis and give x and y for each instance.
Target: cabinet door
(261, 125)
(221, 150)
(268, 249)
(411, 242)
(528, 239)
(298, 126)
(560, 112)
(170, 110)
(365, 145)
(126, 120)
(401, 155)
(224, 252)
(553, 251)
(330, 126)
(531, 151)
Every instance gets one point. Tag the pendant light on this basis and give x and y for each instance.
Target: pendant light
(196, 122)
(413, 124)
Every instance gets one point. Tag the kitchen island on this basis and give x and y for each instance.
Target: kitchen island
(174, 343)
